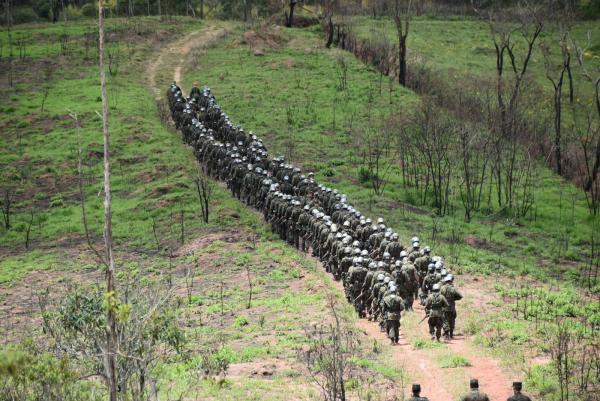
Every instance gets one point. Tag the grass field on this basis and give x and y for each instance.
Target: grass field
(465, 46)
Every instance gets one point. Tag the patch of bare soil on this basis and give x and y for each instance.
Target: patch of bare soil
(199, 243)
(264, 368)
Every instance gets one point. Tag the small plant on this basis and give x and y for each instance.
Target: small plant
(241, 321)
(454, 361)
(421, 343)
(56, 201)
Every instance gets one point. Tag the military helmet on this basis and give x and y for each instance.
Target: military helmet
(386, 279)
(439, 266)
(403, 254)
(372, 266)
(346, 224)
(356, 244)
(427, 250)
(387, 234)
(415, 244)
(380, 220)
(414, 239)
(386, 256)
(347, 250)
(380, 265)
(431, 267)
(364, 252)
(436, 287)
(380, 277)
(356, 251)
(359, 261)
(448, 278)
(394, 236)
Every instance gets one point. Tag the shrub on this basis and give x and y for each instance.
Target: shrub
(89, 10)
(364, 175)
(241, 321)
(56, 201)
(42, 9)
(23, 15)
(28, 373)
(454, 361)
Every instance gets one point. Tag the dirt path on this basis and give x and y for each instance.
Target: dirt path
(169, 64)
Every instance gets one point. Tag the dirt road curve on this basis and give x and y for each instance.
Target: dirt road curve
(171, 58)
(422, 365)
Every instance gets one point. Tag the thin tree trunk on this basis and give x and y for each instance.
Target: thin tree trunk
(110, 351)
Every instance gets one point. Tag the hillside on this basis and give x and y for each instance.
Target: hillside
(319, 107)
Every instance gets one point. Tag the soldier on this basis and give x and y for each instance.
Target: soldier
(416, 394)
(427, 283)
(452, 295)
(356, 277)
(517, 387)
(392, 305)
(435, 304)
(474, 394)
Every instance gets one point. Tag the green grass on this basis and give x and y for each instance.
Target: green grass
(289, 97)
(464, 46)
(454, 361)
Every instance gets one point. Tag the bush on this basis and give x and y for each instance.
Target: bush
(73, 12)
(28, 373)
(42, 9)
(89, 10)
(23, 15)
(364, 175)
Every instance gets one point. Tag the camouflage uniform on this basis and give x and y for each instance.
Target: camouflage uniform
(435, 304)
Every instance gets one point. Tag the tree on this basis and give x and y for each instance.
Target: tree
(402, 16)
(507, 120)
(327, 358)
(556, 74)
(289, 17)
(110, 349)
(587, 124)
(204, 187)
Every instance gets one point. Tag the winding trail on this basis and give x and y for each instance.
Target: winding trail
(421, 364)
(171, 58)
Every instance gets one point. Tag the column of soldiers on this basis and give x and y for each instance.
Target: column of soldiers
(381, 276)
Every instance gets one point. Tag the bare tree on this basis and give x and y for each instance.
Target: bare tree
(556, 75)
(511, 71)
(330, 349)
(590, 134)
(204, 187)
(289, 17)
(110, 348)
(7, 201)
(402, 16)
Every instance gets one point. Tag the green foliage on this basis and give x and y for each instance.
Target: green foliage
(422, 343)
(454, 361)
(28, 373)
(241, 321)
(89, 10)
(542, 378)
(24, 14)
